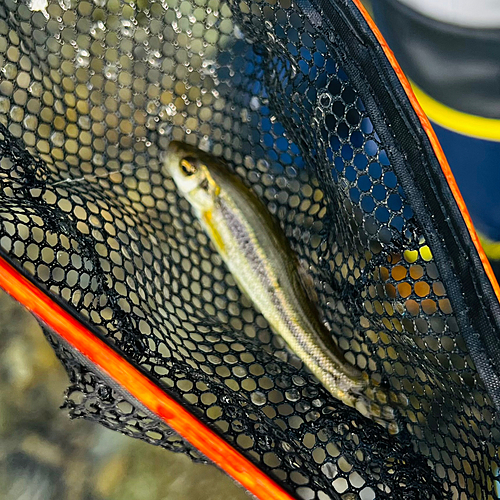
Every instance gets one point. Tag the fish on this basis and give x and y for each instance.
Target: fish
(257, 253)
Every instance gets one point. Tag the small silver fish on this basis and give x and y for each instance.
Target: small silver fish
(258, 255)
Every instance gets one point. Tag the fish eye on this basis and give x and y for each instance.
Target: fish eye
(188, 165)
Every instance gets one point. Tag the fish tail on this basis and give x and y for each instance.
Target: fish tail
(374, 402)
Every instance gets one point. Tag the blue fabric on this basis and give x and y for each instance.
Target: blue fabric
(475, 164)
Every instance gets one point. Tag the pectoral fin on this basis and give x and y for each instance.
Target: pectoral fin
(214, 233)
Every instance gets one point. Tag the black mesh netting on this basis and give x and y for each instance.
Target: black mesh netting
(91, 93)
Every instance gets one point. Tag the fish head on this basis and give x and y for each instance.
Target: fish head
(188, 167)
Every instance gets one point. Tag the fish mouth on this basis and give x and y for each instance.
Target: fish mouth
(180, 148)
(174, 147)
(173, 155)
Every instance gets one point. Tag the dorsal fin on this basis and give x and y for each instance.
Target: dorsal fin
(307, 282)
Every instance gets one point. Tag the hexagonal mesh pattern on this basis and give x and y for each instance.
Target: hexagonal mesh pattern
(91, 93)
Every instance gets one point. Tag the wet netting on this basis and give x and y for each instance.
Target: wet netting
(302, 104)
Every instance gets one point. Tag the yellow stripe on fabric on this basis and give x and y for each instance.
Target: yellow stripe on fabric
(491, 248)
(463, 123)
